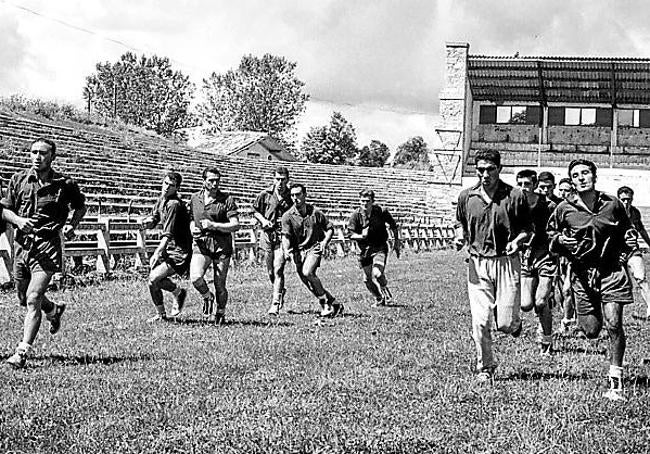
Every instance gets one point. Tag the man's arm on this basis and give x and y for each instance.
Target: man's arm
(390, 220)
(460, 227)
(258, 208)
(638, 225)
(354, 226)
(522, 223)
(329, 233)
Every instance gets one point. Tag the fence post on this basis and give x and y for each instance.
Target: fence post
(6, 255)
(141, 257)
(103, 264)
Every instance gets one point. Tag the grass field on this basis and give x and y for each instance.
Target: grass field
(395, 379)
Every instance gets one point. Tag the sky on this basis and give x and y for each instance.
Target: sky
(379, 62)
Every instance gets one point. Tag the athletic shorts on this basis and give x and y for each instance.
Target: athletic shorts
(178, 260)
(42, 256)
(544, 266)
(314, 253)
(592, 288)
(211, 247)
(373, 256)
(270, 240)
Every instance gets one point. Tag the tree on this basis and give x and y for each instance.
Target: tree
(142, 91)
(374, 155)
(335, 143)
(412, 154)
(262, 94)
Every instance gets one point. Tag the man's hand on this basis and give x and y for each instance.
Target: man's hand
(459, 242)
(568, 242)
(154, 259)
(512, 247)
(25, 225)
(68, 232)
(146, 221)
(266, 224)
(632, 239)
(398, 249)
(364, 233)
(287, 254)
(206, 224)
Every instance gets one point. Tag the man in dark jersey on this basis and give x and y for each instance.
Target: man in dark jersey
(538, 266)
(269, 206)
(546, 187)
(593, 231)
(367, 226)
(174, 252)
(214, 217)
(38, 201)
(306, 233)
(635, 262)
(563, 282)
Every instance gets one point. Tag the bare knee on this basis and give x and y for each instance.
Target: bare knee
(34, 299)
(591, 327)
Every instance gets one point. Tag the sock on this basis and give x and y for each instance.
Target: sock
(50, 314)
(176, 291)
(160, 309)
(208, 295)
(616, 372)
(23, 348)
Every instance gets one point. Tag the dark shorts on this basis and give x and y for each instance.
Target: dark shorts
(270, 240)
(178, 260)
(373, 256)
(211, 247)
(543, 266)
(42, 256)
(591, 290)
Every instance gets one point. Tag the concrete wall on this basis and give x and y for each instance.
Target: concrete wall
(506, 133)
(635, 137)
(584, 135)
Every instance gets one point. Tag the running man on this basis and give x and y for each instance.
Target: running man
(538, 266)
(563, 284)
(593, 231)
(269, 206)
(367, 226)
(493, 220)
(635, 262)
(174, 252)
(213, 217)
(38, 202)
(306, 233)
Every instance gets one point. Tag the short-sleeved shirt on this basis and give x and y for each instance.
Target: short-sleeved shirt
(600, 233)
(540, 210)
(637, 223)
(489, 226)
(173, 215)
(305, 231)
(376, 223)
(48, 204)
(272, 207)
(220, 209)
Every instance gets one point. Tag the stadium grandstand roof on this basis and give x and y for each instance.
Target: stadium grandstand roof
(546, 79)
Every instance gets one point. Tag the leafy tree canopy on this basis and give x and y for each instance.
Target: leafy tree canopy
(374, 155)
(412, 154)
(335, 143)
(142, 91)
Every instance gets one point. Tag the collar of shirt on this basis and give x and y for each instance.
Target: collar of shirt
(218, 198)
(53, 176)
(501, 191)
(601, 198)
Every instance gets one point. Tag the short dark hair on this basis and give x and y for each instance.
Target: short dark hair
(547, 177)
(46, 141)
(528, 173)
(624, 190)
(582, 162)
(367, 193)
(211, 170)
(488, 155)
(565, 180)
(281, 170)
(299, 185)
(175, 177)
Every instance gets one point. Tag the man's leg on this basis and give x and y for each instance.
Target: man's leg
(544, 314)
(613, 317)
(528, 290)
(369, 281)
(589, 313)
(221, 266)
(278, 276)
(568, 301)
(310, 264)
(34, 295)
(379, 275)
(480, 289)
(198, 266)
(637, 269)
(508, 294)
(158, 281)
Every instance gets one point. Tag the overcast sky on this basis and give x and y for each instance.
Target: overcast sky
(379, 62)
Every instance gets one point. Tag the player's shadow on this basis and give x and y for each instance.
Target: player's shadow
(230, 322)
(83, 360)
(538, 375)
(579, 350)
(640, 381)
(316, 314)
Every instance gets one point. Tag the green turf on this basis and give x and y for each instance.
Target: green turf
(395, 379)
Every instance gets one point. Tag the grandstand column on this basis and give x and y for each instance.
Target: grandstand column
(455, 113)
(614, 136)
